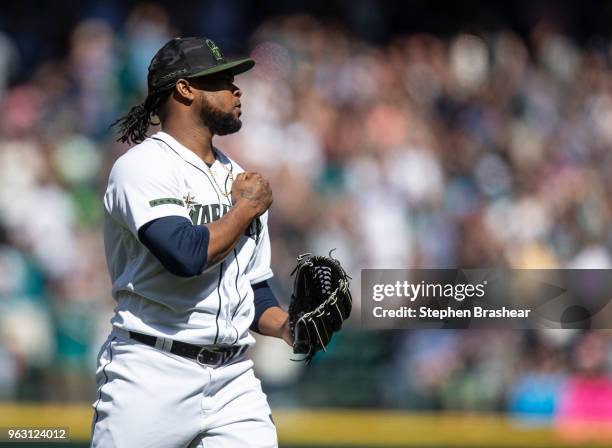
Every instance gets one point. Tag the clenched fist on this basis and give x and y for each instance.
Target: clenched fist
(253, 189)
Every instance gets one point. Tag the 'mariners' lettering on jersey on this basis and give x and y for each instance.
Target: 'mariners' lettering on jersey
(206, 213)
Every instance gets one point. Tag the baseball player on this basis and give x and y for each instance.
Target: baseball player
(187, 247)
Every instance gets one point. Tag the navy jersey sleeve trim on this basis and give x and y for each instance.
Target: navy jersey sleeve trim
(180, 246)
(264, 299)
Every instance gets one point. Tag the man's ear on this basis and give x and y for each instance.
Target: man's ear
(184, 90)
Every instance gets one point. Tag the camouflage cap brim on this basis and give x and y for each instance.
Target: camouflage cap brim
(235, 67)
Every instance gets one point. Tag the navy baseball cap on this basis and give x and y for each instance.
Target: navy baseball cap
(189, 57)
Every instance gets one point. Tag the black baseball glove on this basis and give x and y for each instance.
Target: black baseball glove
(320, 302)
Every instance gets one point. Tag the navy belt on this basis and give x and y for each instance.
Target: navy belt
(214, 355)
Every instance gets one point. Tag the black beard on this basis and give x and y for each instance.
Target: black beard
(219, 122)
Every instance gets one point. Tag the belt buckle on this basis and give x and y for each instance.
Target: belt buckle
(200, 358)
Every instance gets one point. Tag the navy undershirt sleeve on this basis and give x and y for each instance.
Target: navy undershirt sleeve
(264, 299)
(180, 246)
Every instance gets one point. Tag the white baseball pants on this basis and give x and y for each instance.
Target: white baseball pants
(150, 398)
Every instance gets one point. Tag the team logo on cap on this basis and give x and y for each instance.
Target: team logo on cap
(216, 52)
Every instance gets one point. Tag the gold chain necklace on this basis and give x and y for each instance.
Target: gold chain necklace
(231, 176)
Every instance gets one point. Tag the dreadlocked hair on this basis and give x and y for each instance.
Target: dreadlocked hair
(134, 125)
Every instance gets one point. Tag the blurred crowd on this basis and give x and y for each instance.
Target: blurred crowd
(469, 150)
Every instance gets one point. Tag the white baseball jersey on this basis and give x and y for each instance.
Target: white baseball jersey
(157, 178)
